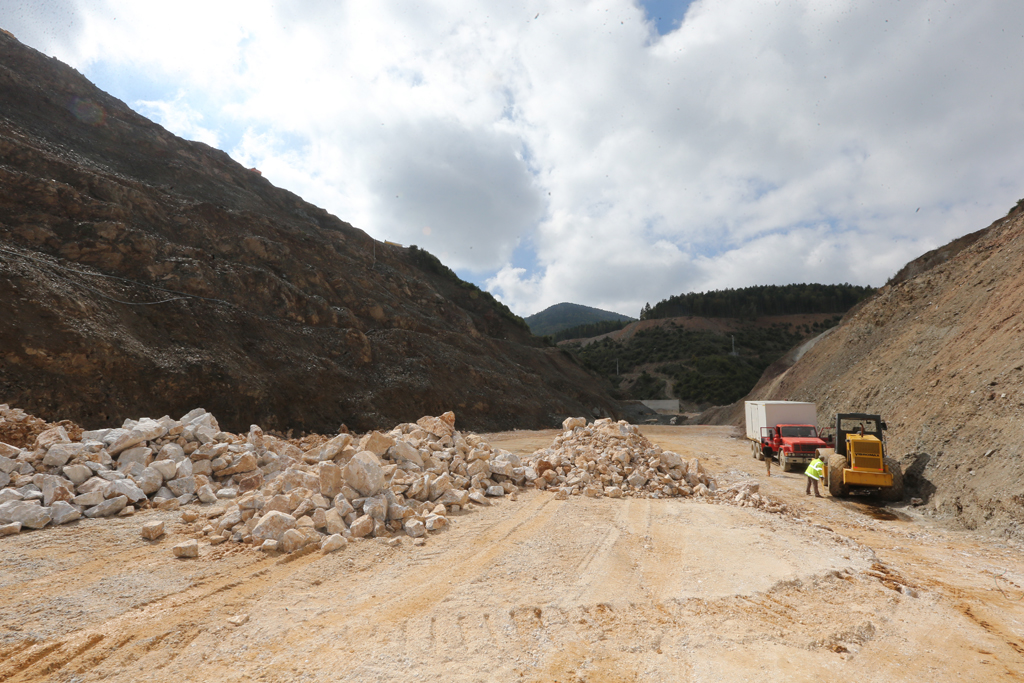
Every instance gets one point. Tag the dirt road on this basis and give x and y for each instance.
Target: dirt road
(533, 590)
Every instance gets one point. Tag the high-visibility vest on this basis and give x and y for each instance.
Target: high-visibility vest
(816, 469)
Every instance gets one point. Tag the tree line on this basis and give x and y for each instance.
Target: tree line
(752, 302)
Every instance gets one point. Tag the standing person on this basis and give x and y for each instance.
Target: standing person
(768, 462)
(814, 472)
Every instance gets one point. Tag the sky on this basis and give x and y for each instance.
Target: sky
(608, 153)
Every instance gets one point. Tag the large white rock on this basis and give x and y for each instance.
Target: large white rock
(331, 479)
(59, 454)
(10, 529)
(672, 460)
(7, 495)
(63, 512)
(441, 426)
(126, 488)
(376, 443)
(478, 467)
(439, 485)
(245, 462)
(362, 526)
(184, 469)
(636, 479)
(571, 423)
(454, 497)
(78, 474)
(376, 507)
(152, 530)
(108, 507)
(183, 486)
(149, 480)
(52, 436)
(415, 527)
(187, 549)
(54, 488)
(167, 468)
(407, 452)
(364, 473)
(335, 521)
(500, 466)
(170, 451)
(139, 454)
(206, 494)
(334, 448)
(332, 543)
(292, 540)
(145, 430)
(272, 526)
(31, 514)
(8, 451)
(89, 499)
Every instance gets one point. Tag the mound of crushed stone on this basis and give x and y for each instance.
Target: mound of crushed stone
(269, 492)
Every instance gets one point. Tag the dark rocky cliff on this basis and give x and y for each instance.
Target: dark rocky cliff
(141, 274)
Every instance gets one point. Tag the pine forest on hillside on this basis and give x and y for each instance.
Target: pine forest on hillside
(752, 302)
(699, 364)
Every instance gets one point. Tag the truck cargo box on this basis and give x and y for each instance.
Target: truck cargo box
(770, 413)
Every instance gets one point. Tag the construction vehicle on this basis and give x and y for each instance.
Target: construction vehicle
(785, 429)
(858, 462)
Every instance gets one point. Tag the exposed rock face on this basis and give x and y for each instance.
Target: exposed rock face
(938, 354)
(240, 296)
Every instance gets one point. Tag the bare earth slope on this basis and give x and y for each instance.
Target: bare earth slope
(141, 273)
(941, 356)
(581, 590)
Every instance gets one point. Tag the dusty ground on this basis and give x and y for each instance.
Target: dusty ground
(534, 590)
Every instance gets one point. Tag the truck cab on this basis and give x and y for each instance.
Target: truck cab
(793, 444)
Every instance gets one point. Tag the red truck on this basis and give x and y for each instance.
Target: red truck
(784, 429)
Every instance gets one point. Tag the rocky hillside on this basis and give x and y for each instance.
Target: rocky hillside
(144, 274)
(940, 354)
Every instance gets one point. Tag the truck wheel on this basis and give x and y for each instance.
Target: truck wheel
(836, 465)
(895, 492)
(783, 461)
(755, 448)
(760, 454)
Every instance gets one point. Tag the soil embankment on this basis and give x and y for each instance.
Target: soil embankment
(938, 353)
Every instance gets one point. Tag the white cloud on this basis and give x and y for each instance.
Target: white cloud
(178, 117)
(577, 155)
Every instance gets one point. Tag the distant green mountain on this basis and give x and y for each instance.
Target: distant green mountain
(565, 315)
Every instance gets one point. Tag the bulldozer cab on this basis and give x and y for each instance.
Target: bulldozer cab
(861, 425)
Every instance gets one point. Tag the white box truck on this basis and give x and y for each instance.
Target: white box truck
(784, 429)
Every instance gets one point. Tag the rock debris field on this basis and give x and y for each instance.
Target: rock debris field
(287, 495)
(615, 562)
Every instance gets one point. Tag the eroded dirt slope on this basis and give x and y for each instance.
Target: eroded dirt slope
(141, 273)
(940, 355)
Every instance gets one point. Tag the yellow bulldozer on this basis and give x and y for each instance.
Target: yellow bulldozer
(858, 462)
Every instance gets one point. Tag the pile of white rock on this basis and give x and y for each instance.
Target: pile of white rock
(614, 459)
(268, 491)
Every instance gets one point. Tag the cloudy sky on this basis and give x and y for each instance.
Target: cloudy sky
(609, 153)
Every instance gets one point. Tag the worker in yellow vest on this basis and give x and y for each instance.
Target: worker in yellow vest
(814, 472)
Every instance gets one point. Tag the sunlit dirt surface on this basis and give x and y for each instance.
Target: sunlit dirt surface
(534, 590)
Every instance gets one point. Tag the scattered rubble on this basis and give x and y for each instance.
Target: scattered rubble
(614, 459)
(279, 496)
(260, 489)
